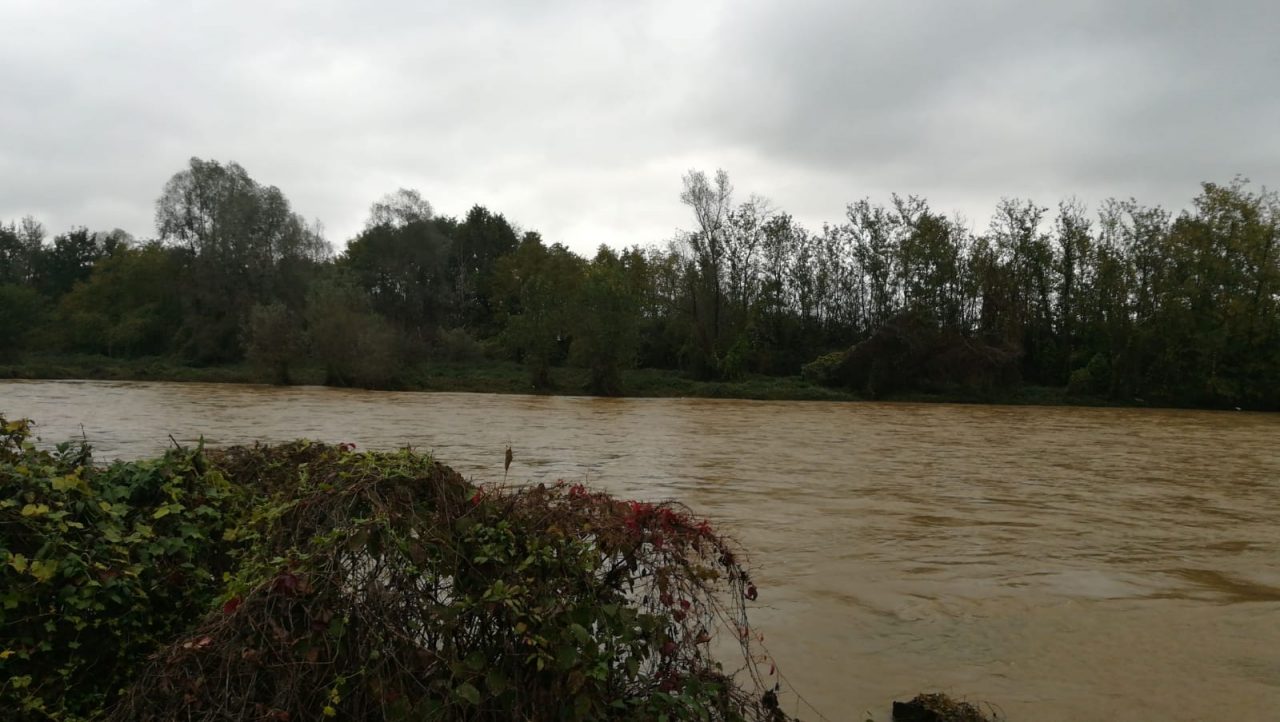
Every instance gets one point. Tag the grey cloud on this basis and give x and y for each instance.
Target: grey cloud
(577, 118)
(987, 99)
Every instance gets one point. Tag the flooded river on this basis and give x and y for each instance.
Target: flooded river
(1063, 563)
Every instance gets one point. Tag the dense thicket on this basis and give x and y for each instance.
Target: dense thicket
(1128, 302)
(308, 581)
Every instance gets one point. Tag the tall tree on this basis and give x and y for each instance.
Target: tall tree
(403, 267)
(534, 291)
(711, 202)
(238, 235)
(606, 321)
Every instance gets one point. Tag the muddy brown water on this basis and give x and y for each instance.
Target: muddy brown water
(1063, 563)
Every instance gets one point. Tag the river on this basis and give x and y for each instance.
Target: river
(1062, 563)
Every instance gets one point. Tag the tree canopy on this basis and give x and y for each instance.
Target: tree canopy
(1127, 301)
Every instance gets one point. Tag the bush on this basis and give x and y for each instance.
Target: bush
(822, 370)
(1092, 379)
(274, 341)
(98, 566)
(457, 344)
(356, 346)
(308, 581)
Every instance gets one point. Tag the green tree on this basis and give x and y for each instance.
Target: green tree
(238, 235)
(403, 267)
(606, 322)
(1023, 250)
(21, 311)
(356, 346)
(705, 264)
(476, 245)
(20, 245)
(275, 340)
(1073, 235)
(131, 303)
(71, 258)
(534, 289)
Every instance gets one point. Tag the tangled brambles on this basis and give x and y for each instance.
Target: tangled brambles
(385, 586)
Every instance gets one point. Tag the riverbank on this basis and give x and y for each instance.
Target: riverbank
(504, 377)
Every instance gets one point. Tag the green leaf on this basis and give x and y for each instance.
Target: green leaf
(18, 562)
(468, 692)
(566, 657)
(161, 513)
(496, 681)
(43, 571)
(63, 483)
(337, 627)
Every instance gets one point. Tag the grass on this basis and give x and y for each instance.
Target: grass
(507, 377)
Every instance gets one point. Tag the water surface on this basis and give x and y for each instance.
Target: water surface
(1064, 563)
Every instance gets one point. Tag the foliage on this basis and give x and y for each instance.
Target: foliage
(20, 249)
(274, 341)
(98, 567)
(309, 581)
(909, 353)
(356, 346)
(403, 267)
(130, 305)
(20, 312)
(822, 370)
(606, 323)
(457, 344)
(1133, 302)
(387, 587)
(534, 289)
(243, 242)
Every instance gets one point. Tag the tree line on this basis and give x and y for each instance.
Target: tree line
(1130, 301)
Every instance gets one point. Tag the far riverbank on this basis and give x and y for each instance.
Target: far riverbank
(504, 377)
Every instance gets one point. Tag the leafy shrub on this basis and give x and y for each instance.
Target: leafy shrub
(98, 566)
(274, 341)
(308, 581)
(356, 346)
(385, 586)
(457, 344)
(822, 370)
(1090, 379)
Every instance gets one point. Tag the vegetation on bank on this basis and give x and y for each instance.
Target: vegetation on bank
(894, 300)
(309, 581)
(508, 377)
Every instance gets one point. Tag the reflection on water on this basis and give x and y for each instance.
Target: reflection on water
(1068, 564)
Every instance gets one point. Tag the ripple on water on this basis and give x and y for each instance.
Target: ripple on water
(1070, 564)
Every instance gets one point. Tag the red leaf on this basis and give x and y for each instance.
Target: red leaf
(232, 605)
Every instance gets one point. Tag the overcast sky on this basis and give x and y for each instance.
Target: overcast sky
(577, 118)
